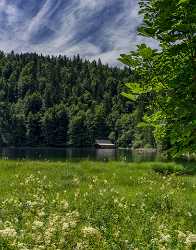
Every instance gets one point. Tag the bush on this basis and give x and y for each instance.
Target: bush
(168, 168)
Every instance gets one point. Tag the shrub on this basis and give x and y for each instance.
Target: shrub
(168, 168)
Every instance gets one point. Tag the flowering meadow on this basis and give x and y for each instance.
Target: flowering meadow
(95, 205)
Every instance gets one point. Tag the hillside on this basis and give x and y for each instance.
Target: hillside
(58, 101)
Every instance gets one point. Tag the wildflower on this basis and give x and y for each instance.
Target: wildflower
(163, 248)
(162, 226)
(115, 200)
(191, 238)
(125, 206)
(72, 223)
(65, 226)
(41, 214)
(75, 213)
(120, 205)
(37, 225)
(116, 234)
(76, 181)
(95, 179)
(29, 204)
(8, 232)
(165, 238)
(22, 246)
(8, 224)
(48, 235)
(65, 204)
(153, 217)
(85, 194)
(181, 235)
(81, 245)
(77, 194)
(90, 231)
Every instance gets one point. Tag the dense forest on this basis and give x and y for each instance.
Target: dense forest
(58, 101)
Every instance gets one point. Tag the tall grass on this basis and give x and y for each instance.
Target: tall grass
(88, 205)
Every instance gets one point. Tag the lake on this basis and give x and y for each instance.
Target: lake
(76, 154)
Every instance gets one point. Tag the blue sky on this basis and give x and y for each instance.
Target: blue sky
(92, 28)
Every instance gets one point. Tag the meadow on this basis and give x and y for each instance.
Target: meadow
(97, 205)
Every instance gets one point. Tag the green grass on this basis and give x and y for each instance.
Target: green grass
(94, 205)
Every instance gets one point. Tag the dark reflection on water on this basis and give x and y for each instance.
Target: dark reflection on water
(76, 154)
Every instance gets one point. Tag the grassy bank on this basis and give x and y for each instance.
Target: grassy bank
(88, 205)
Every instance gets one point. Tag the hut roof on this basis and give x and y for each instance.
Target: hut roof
(104, 142)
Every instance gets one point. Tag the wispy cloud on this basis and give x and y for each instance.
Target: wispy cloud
(94, 29)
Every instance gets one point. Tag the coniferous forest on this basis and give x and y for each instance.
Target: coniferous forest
(57, 101)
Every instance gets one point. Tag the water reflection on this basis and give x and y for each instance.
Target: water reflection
(76, 154)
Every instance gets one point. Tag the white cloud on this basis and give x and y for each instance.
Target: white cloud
(74, 28)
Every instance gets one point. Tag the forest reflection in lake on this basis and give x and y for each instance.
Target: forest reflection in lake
(77, 154)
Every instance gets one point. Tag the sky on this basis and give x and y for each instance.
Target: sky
(92, 28)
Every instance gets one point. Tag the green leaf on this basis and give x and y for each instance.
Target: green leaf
(184, 2)
(135, 88)
(130, 96)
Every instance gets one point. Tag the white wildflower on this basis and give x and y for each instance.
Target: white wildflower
(81, 246)
(37, 225)
(22, 246)
(76, 181)
(72, 223)
(165, 238)
(8, 232)
(41, 213)
(181, 235)
(28, 203)
(65, 204)
(90, 231)
(65, 226)
(105, 181)
(191, 238)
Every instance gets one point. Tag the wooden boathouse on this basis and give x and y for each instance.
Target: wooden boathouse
(107, 144)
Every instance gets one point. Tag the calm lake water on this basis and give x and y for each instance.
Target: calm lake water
(76, 154)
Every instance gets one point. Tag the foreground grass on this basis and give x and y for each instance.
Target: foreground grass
(88, 205)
